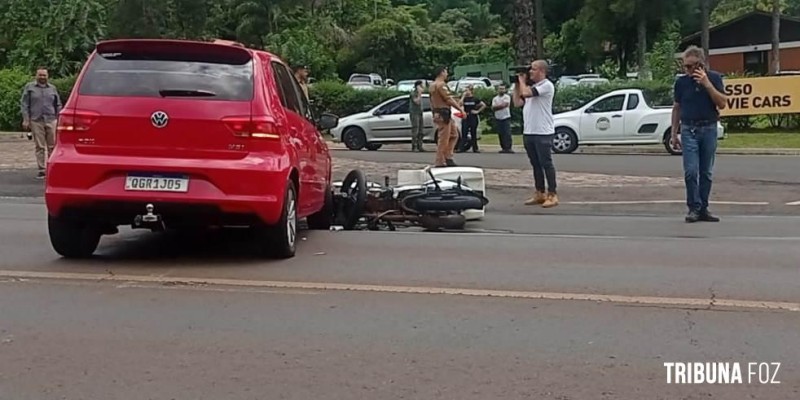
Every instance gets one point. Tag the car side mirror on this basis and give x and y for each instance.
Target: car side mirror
(590, 110)
(377, 112)
(327, 121)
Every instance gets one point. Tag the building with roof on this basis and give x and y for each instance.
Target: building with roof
(743, 45)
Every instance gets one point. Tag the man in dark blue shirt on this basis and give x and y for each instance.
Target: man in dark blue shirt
(699, 95)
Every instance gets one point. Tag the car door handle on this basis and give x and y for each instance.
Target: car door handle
(402, 119)
(616, 116)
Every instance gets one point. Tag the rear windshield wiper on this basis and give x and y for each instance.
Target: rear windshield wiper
(185, 93)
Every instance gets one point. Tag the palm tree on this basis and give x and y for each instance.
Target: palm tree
(524, 34)
(539, 28)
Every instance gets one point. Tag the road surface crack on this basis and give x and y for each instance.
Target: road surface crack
(713, 300)
(690, 327)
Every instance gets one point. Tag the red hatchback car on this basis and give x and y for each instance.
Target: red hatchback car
(180, 134)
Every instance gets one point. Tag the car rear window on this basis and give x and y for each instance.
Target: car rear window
(361, 79)
(162, 75)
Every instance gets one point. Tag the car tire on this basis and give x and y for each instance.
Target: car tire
(354, 138)
(455, 203)
(358, 198)
(280, 241)
(565, 141)
(436, 223)
(322, 219)
(374, 146)
(668, 144)
(72, 239)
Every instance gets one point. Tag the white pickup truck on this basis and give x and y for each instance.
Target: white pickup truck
(621, 117)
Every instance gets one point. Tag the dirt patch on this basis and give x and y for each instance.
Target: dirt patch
(17, 154)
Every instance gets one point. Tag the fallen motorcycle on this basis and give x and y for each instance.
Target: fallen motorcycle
(435, 204)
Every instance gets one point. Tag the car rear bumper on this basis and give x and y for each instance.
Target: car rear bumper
(225, 192)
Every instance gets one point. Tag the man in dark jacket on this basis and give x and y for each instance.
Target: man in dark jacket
(699, 95)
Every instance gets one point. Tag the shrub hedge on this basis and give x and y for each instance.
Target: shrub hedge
(343, 100)
(11, 83)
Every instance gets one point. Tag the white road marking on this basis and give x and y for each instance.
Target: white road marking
(609, 298)
(623, 202)
(583, 236)
(628, 202)
(741, 203)
(794, 203)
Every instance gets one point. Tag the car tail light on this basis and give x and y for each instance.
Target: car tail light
(76, 120)
(252, 127)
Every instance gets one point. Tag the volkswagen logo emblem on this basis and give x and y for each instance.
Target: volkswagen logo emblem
(159, 119)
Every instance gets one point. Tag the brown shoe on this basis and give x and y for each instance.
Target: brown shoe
(551, 201)
(538, 198)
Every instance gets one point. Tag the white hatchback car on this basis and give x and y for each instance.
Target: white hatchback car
(387, 123)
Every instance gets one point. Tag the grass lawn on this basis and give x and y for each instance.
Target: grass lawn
(783, 140)
(779, 140)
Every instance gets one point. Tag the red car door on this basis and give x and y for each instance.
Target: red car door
(319, 154)
(298, 131)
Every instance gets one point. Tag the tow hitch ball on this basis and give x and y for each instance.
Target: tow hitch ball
(149, 220)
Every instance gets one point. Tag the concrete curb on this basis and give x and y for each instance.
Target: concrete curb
(600, 150)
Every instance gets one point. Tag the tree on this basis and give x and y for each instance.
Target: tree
(138, 18)
(776, 37)
(641, 35)
(385, 46)
(524, 34)
(660, 59)
(566, 49)
(726, 10)
(304, 46)
(58, 36)
(705, 40)
(538, 9)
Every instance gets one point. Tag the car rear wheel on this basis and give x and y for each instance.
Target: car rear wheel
(354, 138)
(280, 240)
(374, 146)
(565, 141)
(71, 238)
(668, 144)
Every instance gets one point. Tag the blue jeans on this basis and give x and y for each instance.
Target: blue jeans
(699, 151)
(503, 128)
(540, 155)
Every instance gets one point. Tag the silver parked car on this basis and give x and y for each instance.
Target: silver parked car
(388, 122)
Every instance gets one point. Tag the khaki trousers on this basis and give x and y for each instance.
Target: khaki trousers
(446, 144)
(44, 136)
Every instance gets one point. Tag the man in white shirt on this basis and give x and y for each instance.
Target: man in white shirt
(534, 93)
(501, 105)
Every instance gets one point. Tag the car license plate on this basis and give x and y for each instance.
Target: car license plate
(157, 183)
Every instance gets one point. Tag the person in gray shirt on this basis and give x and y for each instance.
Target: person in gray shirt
(40, 105)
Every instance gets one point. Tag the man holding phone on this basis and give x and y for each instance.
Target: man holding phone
(699, 95)
(534, 93)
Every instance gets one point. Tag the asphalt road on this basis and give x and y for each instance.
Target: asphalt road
(557, 307)
(767, 169)
(744, 185)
